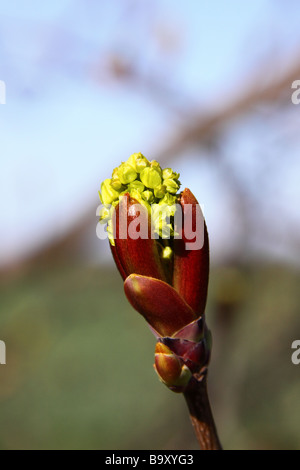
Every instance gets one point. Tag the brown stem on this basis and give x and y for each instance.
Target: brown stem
(201, 415)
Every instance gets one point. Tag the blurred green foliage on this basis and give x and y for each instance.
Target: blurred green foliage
(79, 369)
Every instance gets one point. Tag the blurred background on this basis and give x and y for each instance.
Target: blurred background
(203, 87)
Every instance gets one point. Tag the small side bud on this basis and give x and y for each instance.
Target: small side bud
(170, 369)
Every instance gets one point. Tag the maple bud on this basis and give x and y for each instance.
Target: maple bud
(164, 280)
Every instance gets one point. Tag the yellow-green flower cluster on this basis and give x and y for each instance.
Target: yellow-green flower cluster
(146, 182)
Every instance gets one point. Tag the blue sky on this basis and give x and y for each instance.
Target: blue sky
(62, 132)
